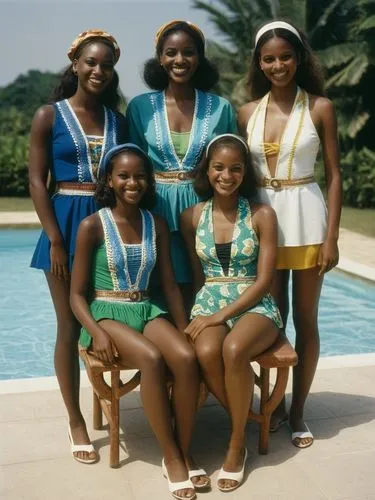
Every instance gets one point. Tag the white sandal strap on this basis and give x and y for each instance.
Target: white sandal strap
(197, 472)
(233, 476)
(82, 447)
(181, 485)
(302, 435)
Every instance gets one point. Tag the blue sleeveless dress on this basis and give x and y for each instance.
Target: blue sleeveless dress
(219, 289)
(71, 162)
(119, 267)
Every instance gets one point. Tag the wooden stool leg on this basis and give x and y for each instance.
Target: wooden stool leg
(266, 417)
(114, 429)
(97, 412)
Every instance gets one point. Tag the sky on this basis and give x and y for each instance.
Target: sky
(36, 35)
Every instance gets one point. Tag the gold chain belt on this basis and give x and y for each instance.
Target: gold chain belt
(76, 188)
(275, 183)
(121, 295)
(173, 176)
(229, 279)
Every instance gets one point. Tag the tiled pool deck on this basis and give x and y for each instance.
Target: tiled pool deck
(35, 463)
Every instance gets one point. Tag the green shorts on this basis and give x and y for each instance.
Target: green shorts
(133, 314)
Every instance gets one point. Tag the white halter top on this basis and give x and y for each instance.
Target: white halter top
(300, 208)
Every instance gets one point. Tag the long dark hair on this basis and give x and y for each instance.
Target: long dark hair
(202, 185)
(206, 75)
(111, 96)
(309, 75)
(104, 195)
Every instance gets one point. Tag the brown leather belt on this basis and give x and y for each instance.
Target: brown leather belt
(173, 176)
(121, 295)
(274, 183)
(76, 188)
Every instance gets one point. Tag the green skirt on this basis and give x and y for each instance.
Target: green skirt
(133, 314)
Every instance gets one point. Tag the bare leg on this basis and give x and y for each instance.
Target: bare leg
(280, 292)
(138, 351)
(209, 349)
(66, 360)
(181, 361)
(250, 336)
(307, 285)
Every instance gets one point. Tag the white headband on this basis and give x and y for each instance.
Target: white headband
(222, 136)
(275, 25)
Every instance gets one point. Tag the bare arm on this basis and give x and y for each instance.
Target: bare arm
(188, 225)
(243, 117)
(265, 224)
(170, 288)
(329, 254)
(39, 165)
(88, 237)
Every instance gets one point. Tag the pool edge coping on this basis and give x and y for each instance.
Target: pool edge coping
(40, 384)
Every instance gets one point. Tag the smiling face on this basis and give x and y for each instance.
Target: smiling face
(94, 67)
(128, 178)
(179, 57)
(278, 61)
(226, 169)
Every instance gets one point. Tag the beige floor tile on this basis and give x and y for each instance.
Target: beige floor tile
(62, 479)
(350, 475)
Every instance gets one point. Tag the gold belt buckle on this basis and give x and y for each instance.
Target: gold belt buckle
(275, 183)
(135, 296)
(181, 176)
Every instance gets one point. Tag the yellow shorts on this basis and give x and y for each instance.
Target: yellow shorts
(298, 258)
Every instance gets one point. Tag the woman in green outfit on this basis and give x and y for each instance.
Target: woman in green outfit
(117, 248)
(232, 245)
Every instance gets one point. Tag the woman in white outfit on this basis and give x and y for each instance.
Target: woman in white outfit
(286, 121)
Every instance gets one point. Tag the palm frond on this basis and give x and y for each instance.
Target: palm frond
(357, 123)
(351, 74)
(367, 24)
(340, 54)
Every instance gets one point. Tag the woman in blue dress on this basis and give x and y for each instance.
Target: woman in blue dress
(68, 141)
(174, 124)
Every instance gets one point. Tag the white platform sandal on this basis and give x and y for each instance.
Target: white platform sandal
(181, 485)
(200, 472)
(232, 476)
(297, 436)
(88, 448)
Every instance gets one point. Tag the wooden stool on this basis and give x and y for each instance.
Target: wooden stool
(106, 398)
(281, 356)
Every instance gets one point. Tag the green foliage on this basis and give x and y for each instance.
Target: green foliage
(18, 103)
(28, 92)
(358, 173)
(342, 33)
(13, 154)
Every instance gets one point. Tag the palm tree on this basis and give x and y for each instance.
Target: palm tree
(340, 31)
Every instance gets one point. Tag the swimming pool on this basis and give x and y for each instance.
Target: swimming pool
(27, 334)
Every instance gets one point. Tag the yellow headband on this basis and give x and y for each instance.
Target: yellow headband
(93, 34)
(170, 24)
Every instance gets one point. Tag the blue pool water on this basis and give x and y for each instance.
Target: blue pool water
(27, 333)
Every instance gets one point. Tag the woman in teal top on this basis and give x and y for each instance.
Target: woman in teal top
(175, 123)
(232, 244)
